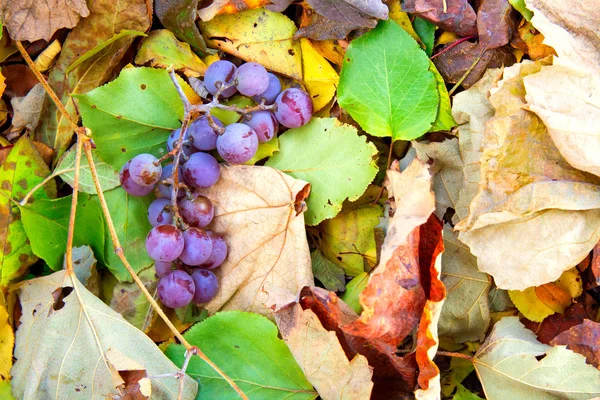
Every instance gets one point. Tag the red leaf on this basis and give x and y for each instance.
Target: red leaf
(583, 339)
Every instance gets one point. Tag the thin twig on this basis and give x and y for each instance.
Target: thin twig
(73, 211)
(42, 183)
(453, 44)
(453, 354)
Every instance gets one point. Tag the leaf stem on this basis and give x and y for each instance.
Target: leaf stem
(453, 354)
(73, 211)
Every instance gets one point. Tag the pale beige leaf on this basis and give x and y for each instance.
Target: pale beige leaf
(259, 212)
(526, 193)
(471, 109)
(321, 356)
(38, 19)
(27, 109)
(63, 338)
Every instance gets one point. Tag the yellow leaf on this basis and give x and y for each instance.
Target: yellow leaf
(46, 59)
(553, 297)
(319, 76)
(331, 50)
(7, 341)
(2, 84)
(257, 35)
(530, 305)
(403, 20)
(445, 38)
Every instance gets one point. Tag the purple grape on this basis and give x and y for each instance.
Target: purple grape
(162, 268)
(238, 144)
(176, 289)
(197, 212)
(272, 91)
(130, 186)
(218, 73)
(263, 123)
(157, 215)
(198, 247)
(164, 243)
(219, 251)
(165, 190)
(206, 286)
(251, 79)
(205, 137)
(188, 149)
(144, 169)
(201, 170)
(294, 108)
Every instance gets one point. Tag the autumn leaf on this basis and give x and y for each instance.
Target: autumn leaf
(453, 15)
(179, 17)
(582, 339)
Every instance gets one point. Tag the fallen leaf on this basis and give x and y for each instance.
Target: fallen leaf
(107, 175)
(595, 267)
(444, 120)
(218, 7)
(496, 23)
(451, 15)
(46, 59)
(552, 326)
(27, 110)
(179, 16)
(258, 210)
(132, 379)
(345, 173)
(7, 341)
(321, 357)
(330, 275)
(232, 339)
(386, 84)
(22, 170)
(520, 6)
(526, 191)
(19, 80)
(361, 12)
(426, 32)
(264, 150)
(315, 26)
(162, 49)
(61, 344)
(403, 19)
(507, 366)
(331, 50)
(459, 369)
(530, 41)
(257, 35)
(582, 339)
(353, 290)
(320, 78)
(457, 61)
(96, 47)
(32, 20)
(348, 240)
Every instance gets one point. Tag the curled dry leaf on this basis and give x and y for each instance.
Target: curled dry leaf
(259, 212)
(527, 191)
(451, 15)
(583, 339)
(360, 12)
(65, 337)
(321, 356)
(32, 20)
(27, 109)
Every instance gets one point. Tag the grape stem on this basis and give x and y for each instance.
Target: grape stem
(84, 140)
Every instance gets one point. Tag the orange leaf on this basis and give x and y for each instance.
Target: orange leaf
(554, 297)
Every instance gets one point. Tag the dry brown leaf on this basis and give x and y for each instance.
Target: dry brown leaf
(526, 193)
(259, 212)
(129, 375)
(321, 356)
(218, 7)
(27, 109)
(583, 339)
(38, 19)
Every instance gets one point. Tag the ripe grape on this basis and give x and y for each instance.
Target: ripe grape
(251, 79)
(272, 91)
(238, 144)
(197, 212)
(219, 251)
(165, 190)
(162, 268)
(263, 123)
(157, 214)
(218, 73)
(129, 185)
(198, 247)
(206, 285)
(188, 149)
(205, 137)
(201, 170)
(294, 108)
(176, 289)
(164, 243)
(144, 169)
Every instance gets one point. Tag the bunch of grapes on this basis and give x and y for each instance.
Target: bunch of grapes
(183, 251)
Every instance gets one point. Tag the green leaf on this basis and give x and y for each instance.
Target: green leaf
(246, 347)
(264, 150)
(47, 222)
(329, 274)
(130, 216)
(521, 7)
(22, 170)
(330, 155)
(508, 367)
(353, 290)
(459, 369)
(386, 84)
(462, 393)
(162, 49)
(108, 176)
(444, 120)
(179, 16)
(131, 115)
(426, 32)
(230, 117)
(349, 239)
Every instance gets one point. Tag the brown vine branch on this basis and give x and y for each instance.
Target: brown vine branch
(84, 140)
(453, 354)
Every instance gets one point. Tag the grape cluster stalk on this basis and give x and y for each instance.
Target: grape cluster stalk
(184, 251)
